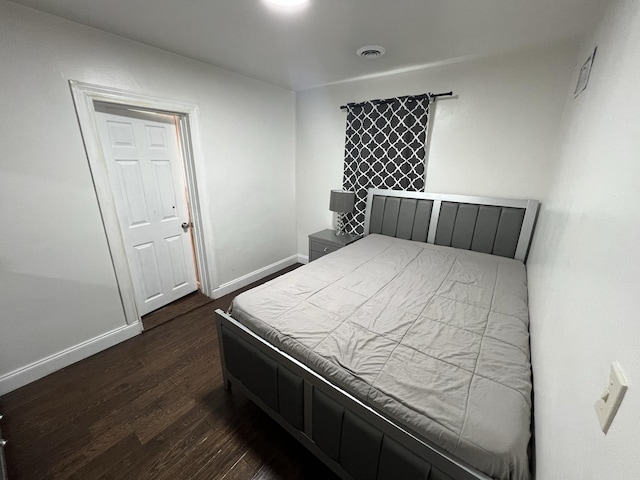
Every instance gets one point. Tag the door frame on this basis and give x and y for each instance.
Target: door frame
(84, 96)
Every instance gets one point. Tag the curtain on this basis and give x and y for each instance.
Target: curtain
(384, 148)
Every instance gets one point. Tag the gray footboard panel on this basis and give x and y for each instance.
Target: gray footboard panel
(351, 438)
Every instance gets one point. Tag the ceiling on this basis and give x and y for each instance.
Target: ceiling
(300, 48)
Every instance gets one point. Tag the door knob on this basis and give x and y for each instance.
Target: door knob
(185, 226)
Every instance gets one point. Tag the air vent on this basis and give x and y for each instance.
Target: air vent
(371, 52)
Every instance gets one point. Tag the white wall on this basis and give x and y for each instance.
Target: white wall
(584, 267)
(57, 282)
(496, 138)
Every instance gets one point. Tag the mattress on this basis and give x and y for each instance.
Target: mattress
(434, 338)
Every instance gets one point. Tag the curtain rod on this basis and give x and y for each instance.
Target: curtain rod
(430, 96)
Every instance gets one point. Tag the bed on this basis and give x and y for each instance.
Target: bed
(405, 354)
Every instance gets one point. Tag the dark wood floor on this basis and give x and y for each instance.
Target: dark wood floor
(151, 407)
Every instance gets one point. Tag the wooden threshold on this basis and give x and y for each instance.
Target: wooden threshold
(174, 309)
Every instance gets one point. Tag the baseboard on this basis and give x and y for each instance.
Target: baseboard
(304, 259)
(36, 370)
(245, 280)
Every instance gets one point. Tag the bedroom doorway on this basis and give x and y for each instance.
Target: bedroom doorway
(143, 163)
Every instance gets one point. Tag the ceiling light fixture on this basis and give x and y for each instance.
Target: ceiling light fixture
(287, 3)
(371, 52)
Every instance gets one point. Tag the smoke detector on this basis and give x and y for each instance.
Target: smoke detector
(371, 52)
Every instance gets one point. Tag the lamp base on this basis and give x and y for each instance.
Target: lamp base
(340, 225)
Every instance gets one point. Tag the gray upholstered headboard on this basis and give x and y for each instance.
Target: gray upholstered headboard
(497, 226)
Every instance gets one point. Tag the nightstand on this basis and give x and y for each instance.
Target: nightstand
(326, 241)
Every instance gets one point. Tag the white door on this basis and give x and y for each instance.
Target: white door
(145, 170)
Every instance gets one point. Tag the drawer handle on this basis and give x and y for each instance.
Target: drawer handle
(325, 249)
(3, 442)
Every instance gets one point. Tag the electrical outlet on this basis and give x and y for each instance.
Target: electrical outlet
(608, 403)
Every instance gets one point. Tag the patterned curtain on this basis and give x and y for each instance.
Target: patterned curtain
(384, 148)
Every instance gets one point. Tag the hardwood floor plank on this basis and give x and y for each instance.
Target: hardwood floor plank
(177, 459)
(166, 410)
(97, 381)
(98, 445)
(98, 467)
(242, 470)
(228, 453)
(130, 412)
(134, 463)
(163, 450)
(209, 457)
(37, 461)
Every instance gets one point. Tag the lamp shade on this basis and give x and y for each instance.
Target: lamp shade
(341, 201)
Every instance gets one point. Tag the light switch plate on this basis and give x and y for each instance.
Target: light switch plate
(608, 403)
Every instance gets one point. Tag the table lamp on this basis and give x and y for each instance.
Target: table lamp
(341, 202)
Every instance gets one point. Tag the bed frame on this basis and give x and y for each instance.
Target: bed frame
(353, 439)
